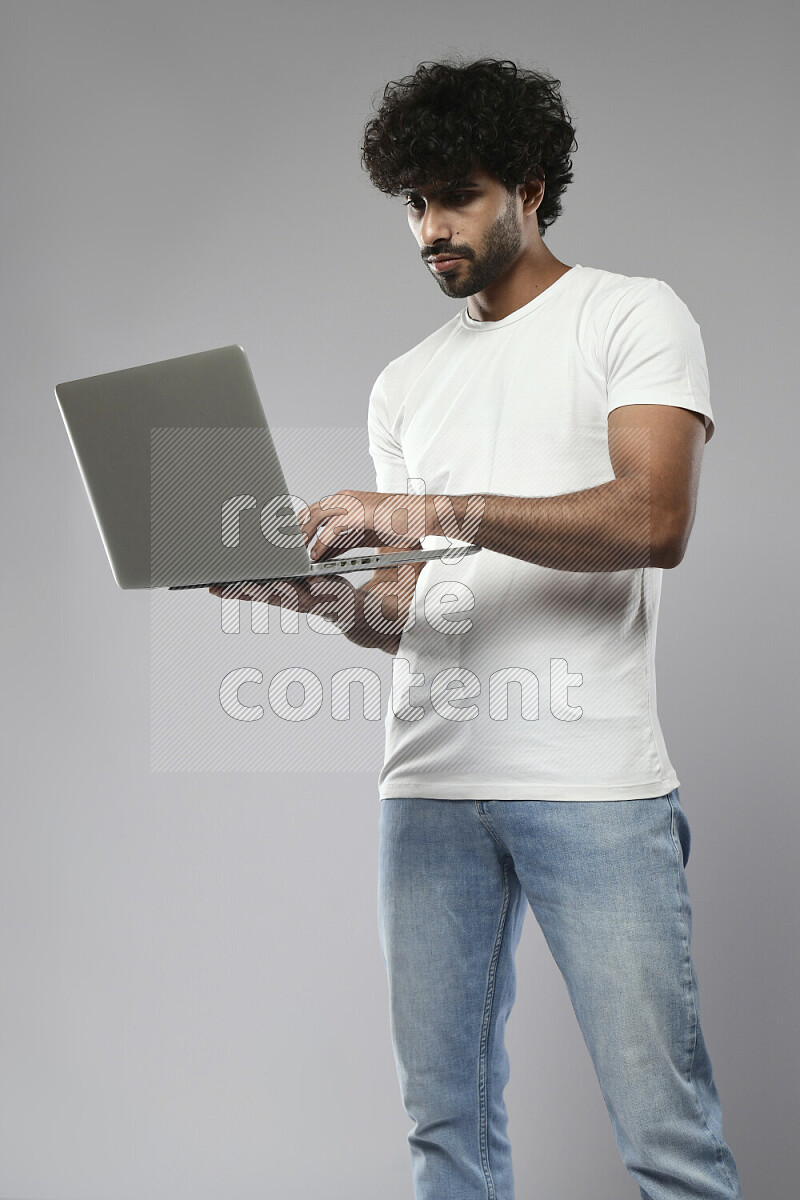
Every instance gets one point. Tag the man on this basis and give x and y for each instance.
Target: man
(558, 421)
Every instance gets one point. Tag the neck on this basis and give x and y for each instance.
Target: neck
(526, 279)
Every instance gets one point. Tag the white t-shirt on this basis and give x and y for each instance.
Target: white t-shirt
(524, 682)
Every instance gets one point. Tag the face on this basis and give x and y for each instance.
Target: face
(478, 224)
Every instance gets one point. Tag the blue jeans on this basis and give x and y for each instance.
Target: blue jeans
(607, 885)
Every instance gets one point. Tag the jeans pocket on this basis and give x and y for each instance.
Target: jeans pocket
(680, 825)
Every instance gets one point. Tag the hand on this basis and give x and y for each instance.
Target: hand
(307, 594)
(352, 518)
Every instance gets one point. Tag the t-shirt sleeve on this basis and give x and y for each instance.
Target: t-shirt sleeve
(391, 473)
(653, 352)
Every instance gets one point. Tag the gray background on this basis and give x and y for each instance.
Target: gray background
(193, 1001)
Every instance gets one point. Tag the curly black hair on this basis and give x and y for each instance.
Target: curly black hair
(448, 116)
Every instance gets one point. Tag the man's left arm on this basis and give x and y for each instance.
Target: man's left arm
(643, 517)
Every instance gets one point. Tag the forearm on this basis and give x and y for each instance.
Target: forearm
(605, 528)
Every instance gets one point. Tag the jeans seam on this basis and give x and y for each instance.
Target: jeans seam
(687, 949)
(483, 1106)
(482, 817)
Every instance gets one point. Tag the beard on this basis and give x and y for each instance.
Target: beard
(501, 247)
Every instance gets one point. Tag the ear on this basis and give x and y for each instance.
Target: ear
(533, 194)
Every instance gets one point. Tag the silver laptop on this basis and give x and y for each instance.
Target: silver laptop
(185, 482)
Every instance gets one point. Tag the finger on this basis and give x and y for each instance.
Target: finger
(311, 594)
(340, 523)
(308, 524)
(335, 538)
(228, 591)
(248, 592)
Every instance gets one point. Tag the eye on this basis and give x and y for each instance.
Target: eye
(416, 204)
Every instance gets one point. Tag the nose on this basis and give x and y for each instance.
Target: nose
(435, 226)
